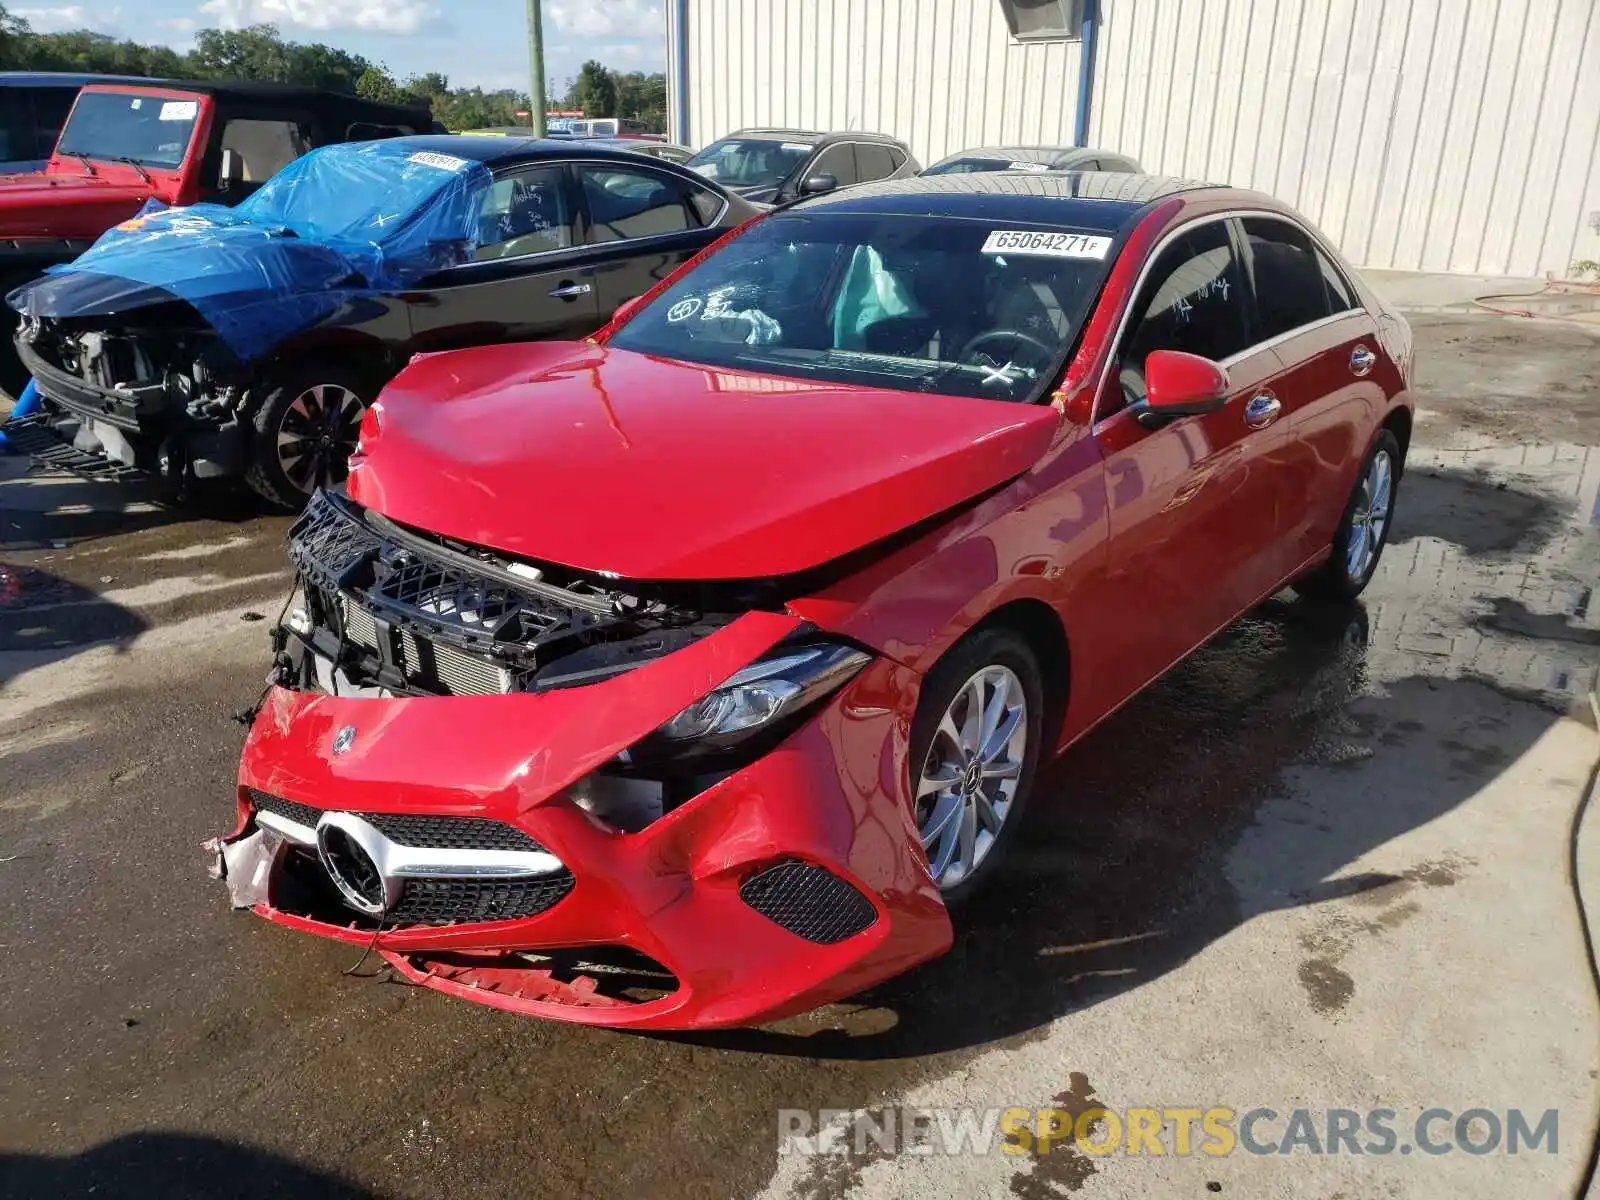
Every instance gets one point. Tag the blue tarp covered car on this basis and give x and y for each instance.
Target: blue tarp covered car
(210, 341)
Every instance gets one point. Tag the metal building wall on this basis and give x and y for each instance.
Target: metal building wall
(1433, 135)
(941, 74)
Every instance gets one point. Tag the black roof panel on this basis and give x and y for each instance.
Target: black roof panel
(1094, 201)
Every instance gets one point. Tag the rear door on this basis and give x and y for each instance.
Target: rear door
(527, 278)
(639, 225)
(1307, 311)
(1194, 504)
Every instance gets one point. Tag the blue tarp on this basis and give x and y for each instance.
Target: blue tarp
(331, 226)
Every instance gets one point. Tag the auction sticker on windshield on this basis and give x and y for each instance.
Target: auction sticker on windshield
(180, 110)
(1050, 245)
(445, 162)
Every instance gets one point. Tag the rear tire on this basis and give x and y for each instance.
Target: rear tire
(304, 431)
(1363, 529)
(970, 782)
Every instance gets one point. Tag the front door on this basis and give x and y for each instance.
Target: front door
(526, 279)
(1193, 505)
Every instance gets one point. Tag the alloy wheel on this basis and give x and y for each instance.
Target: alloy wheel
(1370, 520)
(968, 783)
(318, 435)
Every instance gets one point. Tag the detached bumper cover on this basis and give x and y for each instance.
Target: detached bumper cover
(793, 882)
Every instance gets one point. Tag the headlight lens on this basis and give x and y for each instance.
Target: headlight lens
(785, 682)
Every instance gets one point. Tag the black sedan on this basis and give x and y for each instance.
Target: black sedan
(249, 341)
(983, 159)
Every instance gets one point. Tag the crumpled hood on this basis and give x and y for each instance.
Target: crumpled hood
(608, 460)
(254, 289)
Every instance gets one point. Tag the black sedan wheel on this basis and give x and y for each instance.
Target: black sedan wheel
(305, 431)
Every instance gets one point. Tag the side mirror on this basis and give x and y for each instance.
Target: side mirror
(1180, 385)
(818, 184)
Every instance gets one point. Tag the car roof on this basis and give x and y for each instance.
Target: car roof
(818, 136)
(495, 152)
(633, 144)
(64, 79)
(1081, 199)
(1028, 154)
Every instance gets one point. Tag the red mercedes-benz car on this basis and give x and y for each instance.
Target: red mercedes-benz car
(690, 675)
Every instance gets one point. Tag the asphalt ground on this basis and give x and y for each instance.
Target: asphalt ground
(1211, 839)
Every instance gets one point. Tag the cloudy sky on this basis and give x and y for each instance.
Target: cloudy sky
(473, 41)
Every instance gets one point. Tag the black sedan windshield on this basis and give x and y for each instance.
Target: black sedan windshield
(957, 306)
(152, 130)
(750, 162)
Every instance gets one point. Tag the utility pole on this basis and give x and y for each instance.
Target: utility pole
(536, 67)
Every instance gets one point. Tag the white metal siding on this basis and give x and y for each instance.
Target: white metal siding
(941, 74)
(1432, 135)
(1435, 135)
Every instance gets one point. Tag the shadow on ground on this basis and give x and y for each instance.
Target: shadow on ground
(164, 1166)
(44, 619)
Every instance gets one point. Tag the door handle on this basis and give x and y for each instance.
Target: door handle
(1262, 410)
(571, 291)
(1362, 360)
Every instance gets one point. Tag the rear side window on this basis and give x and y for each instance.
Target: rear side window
(1291, 289)
(1193, 300)
(1340, 298)
(874, 162)
(634, 202)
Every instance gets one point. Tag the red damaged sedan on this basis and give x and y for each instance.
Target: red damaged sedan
(690, 676)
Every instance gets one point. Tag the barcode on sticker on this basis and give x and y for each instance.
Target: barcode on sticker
(1051, 245)
(445, 162)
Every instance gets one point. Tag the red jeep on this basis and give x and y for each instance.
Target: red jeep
(125, 144)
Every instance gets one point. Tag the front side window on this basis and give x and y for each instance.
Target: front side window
(634, 202)
(1193, 300)
(50, 109)
(153, 131)
(923, 304)
(838, 161)
(1290, 288)
(751, 162)
(255, 151)
(525, 213)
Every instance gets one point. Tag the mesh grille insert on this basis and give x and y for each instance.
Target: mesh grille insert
(809, 901)
(410, 829)
(462, 901)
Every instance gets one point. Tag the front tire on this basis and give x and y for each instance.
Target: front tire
(1363, 529)
(304, 431)
(975, 747)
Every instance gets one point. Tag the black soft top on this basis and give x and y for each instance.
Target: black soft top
(336, 108)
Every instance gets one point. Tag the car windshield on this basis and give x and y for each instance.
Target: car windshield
(751, 162)
(956, 306)
(152, 130)
(977, 166)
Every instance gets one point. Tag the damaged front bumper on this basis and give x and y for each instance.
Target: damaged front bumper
(139, 427)
(464, 826)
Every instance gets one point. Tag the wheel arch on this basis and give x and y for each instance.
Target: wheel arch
(1041, 627)
(1399, 423)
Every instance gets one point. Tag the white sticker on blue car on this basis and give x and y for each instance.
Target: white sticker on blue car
(1048, 245)
(444, 162)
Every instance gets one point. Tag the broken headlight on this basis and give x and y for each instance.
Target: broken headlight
(758, 699)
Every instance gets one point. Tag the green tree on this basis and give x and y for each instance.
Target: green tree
(256, 53)
(377, 84)
(597, 90)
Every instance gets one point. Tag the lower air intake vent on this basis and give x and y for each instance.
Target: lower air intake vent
(809, 902)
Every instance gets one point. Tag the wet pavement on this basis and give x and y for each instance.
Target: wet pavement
(154, 1044)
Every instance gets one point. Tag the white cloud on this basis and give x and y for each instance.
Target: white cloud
(68, 17)
(370, 16)
(177, 24)
(606, 18)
